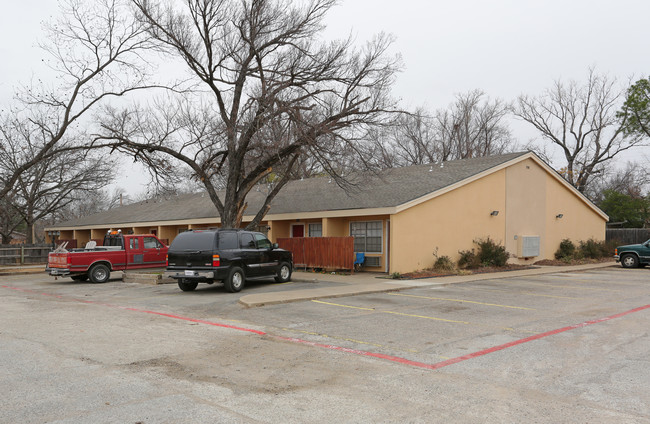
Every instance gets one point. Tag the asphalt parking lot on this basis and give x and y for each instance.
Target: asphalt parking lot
(566, 347)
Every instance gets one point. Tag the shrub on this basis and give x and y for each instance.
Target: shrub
(491, 253)
(468, 259)
(596, 249)
(443, 263)
(566, 250)
(590, 249)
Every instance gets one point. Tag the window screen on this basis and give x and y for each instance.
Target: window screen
(367, 236)
(316, 230)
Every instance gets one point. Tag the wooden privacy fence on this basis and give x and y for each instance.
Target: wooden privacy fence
(321, 252)
(24, 254)
(628, 235)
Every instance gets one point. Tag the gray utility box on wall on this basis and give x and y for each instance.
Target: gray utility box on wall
(528, 246)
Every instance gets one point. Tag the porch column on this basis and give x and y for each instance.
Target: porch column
(326, 229)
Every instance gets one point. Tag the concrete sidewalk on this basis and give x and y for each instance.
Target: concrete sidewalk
(364, 283)
(21, 269)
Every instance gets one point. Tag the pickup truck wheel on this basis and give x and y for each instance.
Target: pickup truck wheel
(187, 285)
(284, 274)
(629, 261)
(99, 273)
(235, 280)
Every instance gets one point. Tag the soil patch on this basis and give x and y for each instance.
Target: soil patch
(432, 273)
(559, 262)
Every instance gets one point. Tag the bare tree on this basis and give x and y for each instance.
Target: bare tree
(10, 220)
(581, 120)
(633, 180)
(56, 182)
(85, 203)
(472, 126)
(273, 95)
(95, 52)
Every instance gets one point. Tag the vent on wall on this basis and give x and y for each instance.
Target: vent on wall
(372, 261)
(528, 246)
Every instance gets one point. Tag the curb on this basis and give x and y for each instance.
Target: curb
(21, 271)
(351, 289)
(275, 298)
(145, 278)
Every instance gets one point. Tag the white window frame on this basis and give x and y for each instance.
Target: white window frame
(383, 237)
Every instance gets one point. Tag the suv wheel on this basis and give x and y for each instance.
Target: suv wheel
(187, 286)
(235, 280)
(629, 261)
(284, 274)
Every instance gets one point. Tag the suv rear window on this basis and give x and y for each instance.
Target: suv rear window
(228, 240)
(247, 241)
(191, 240)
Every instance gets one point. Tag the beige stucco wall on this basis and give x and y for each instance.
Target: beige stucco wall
(279, 229)
(82, 237)
(534, 199)
(169, 232)
(578, 223)
(528, 199)
(526, 206)
(335, 227)
(449, 222)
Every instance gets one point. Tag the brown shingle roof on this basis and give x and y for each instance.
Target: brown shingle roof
(391, 188)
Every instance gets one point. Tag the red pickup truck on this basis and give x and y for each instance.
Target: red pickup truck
(119, 252)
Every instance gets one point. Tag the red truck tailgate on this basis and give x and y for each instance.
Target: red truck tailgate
(57, 260)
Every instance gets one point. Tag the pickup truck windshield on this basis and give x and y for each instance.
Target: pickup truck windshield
(199, 240)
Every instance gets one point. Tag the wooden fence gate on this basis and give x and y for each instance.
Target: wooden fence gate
(320, 252)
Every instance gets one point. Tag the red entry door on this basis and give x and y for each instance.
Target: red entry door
(298, 231)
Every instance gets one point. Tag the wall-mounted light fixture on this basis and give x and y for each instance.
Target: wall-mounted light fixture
(559, 216)
(494, 213)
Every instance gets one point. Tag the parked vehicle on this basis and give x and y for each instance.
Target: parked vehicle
(228, 255)
(118, 253)
(633, 255)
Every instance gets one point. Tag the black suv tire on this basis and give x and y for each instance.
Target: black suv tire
(187, 286)
(284, 274)
(235, 281)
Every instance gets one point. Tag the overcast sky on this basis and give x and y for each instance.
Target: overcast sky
(504, 47)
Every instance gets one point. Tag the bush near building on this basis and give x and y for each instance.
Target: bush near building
(489, 253)
(587, 249)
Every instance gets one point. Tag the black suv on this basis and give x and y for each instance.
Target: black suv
(231, 256)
